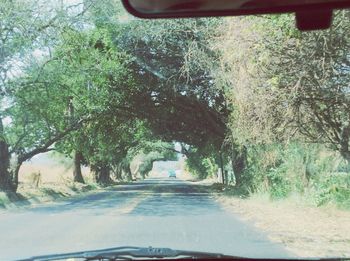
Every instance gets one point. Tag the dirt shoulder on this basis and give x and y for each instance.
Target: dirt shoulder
(304, 230)
(28, 195)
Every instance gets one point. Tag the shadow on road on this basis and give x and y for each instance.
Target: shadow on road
(151, 197)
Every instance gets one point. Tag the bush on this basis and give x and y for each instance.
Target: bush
(333, 189)
(279, 185)
(305, 169)
(201, 163)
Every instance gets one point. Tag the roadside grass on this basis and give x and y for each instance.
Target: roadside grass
(331, 197)
(322, 195)
(303, 230)
(47, 192)
(27, 194)
(4, 200)
(303, 227)
(12, 200)
(54, 182)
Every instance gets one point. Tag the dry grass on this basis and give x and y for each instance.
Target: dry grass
(49, 192)
(56, 181)
(51, 172)
(304, 230)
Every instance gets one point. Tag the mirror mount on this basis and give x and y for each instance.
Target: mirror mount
(314, 19)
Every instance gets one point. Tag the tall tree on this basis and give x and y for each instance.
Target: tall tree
(286, 85)
(175, 93)
(20, 27)
(29, 30)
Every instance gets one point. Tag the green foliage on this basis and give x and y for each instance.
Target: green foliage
(147, 160)
(288, 95)
(201, 163)
(78, 98)
(170, 79)
(252, 90)
(304, 169)
(4, 200)
(333, 189)
(280, 186)
(211, 166)
(194, 164)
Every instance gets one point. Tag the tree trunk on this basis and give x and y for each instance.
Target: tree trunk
(344, 144)
(5, 175)
(222, 169)
(346, 156)
(128, 172)
(77, 175)
(118, 171)
(239, 162)
(95, 172)
(15, 172)
(101, 174)
(104, 175)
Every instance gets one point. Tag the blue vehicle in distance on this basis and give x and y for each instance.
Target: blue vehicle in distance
(172, 174)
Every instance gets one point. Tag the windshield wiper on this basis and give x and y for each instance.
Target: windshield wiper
(129, 253)
(139, 253)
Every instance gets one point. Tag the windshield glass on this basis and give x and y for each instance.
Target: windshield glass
(225, 135)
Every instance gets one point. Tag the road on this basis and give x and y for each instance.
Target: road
(158, 212)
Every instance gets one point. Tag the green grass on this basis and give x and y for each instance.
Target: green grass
(4, 200)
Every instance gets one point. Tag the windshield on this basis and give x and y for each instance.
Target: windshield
(224, 135)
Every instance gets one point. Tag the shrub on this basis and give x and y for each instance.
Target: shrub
(297, 168)
(333, 189)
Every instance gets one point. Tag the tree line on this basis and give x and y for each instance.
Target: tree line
(100, 86)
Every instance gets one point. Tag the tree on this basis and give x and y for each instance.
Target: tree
(13, 42)
(295, 85)
(148, 152)
(174, 93)
(22, 25)
(36, 99)
(172, 65)
(282, 85)
(317, 80)
(91, 74)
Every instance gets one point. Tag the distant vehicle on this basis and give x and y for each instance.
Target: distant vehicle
(172, 174)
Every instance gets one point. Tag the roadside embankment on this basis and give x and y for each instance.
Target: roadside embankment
(304, 230)
(28, 195)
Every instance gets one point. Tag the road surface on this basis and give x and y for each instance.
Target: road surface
(158, 212)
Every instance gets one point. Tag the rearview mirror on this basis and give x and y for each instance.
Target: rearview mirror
(311, 14)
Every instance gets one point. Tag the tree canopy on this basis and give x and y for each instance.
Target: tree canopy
(102, 87)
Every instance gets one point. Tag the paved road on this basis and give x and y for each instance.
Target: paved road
(156, 212)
